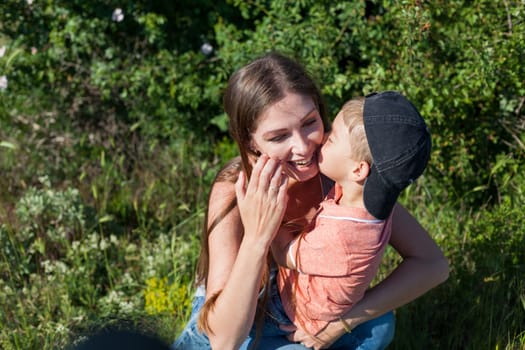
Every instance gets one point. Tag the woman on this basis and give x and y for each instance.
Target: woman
(275, 109)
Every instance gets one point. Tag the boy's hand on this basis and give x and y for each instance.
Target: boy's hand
(323, 340)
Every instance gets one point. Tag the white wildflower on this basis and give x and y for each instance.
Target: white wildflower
(3, 82)
(117, 15)
(61, 267)
(127, 280)
(34, 50)
(131, 248)
(29, 2)
(61, 329)
(75, 245)
(126, 307)
(44, 180)
(104, 244)
(206, 49)
(78, 318)
(48, 267)
(93, 241)
(2, 51)
(113, 297)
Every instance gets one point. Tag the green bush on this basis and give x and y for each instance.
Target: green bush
(111, 130)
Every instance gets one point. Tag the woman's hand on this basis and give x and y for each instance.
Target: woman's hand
(262, 202)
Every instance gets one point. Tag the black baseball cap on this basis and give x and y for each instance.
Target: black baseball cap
(400, 144)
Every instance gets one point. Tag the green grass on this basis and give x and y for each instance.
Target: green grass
(110, 237)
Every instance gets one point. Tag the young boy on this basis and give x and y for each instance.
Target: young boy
(378, 146)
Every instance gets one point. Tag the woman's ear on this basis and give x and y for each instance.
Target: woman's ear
(253, 153)
(253, 149)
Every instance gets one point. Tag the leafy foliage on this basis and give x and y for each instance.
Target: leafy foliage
(111, 130)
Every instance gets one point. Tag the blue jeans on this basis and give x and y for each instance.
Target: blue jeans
(375, 334)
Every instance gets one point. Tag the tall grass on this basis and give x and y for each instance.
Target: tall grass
(115, 241)
(112, 236)
(482, 304)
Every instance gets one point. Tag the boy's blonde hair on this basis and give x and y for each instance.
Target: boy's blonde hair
(352, 113)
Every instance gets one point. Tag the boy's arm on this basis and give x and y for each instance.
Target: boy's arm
(283, 248)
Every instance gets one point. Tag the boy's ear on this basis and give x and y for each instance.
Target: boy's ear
(361, 171)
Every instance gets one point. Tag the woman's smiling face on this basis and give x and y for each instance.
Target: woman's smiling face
(291, 130)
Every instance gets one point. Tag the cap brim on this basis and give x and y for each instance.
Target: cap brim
(379, 197)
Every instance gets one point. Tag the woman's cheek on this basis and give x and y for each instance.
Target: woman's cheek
(321, 137)
(280, 152)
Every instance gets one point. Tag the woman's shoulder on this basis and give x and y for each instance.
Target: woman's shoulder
(222, 191)
(222, 195)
